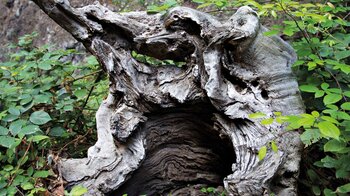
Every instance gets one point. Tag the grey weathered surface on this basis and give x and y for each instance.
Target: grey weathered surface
(167, 129)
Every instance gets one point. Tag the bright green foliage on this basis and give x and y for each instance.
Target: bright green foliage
(212, 191)
(76, 191)
(42, 94)
(256, 115)
(264, 149)
(166, 5)
(151, 61)
(262, 153)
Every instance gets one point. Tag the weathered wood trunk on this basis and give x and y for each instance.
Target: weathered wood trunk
(166, 129)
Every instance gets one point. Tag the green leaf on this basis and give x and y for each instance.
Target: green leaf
(329, 162)
(344, 189)
(343, 67)
(45, 65)
(333, 107)
(256, 115)
(78, 190)
(7, 141)
(342, 115)
(267, 121)
(39, 117)
(281, 119)
(334, 90)
(27, 186)
(329, 192)
(342, 173)
(11, 190)
(298, 62)
(30, 129)
(30, 171)
(16, 126)
(345, 106)
(271, 32)
(293, 122)
(324, 86)
(277, 113)
(310, 136)
(308, 88)
(42, 98)
(199, 1)
(311, 65)
(68, 108)
(3, 130)
(262, 153)
(312, 175)
(341, 54)
(316, 190)
(211, 189)
(288, 31)
(307, 120)
(8, 167)
(10, 118)
(329, 119)
(334, 146)
(315, 114)
(57, 131)
(81, 93)
(273, 13)
(319, 93)
(14, 111)
(331, 98)
(41, 174)
(38, 138)
(274, 147)
(219, 3)
(328, 129)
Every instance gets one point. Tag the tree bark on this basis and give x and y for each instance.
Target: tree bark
(169, 129)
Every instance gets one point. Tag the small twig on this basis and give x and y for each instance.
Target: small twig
(346, 16)
(98, 78)
(87, 75)
(19, 163)
(303, 31)
(19, 191)
(79, 78)
(72, 141)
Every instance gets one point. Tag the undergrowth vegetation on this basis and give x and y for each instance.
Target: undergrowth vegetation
(47, 107)
(47, 103)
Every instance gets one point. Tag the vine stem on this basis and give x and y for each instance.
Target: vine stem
(87, 75)
(98, 78)
(19, 163)
(70, 142)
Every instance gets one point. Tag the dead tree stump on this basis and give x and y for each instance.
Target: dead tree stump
(168, 129)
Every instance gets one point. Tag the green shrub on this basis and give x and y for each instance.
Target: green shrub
(43, 105)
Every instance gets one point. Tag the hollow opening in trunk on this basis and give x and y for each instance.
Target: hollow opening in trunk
(183, 154)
